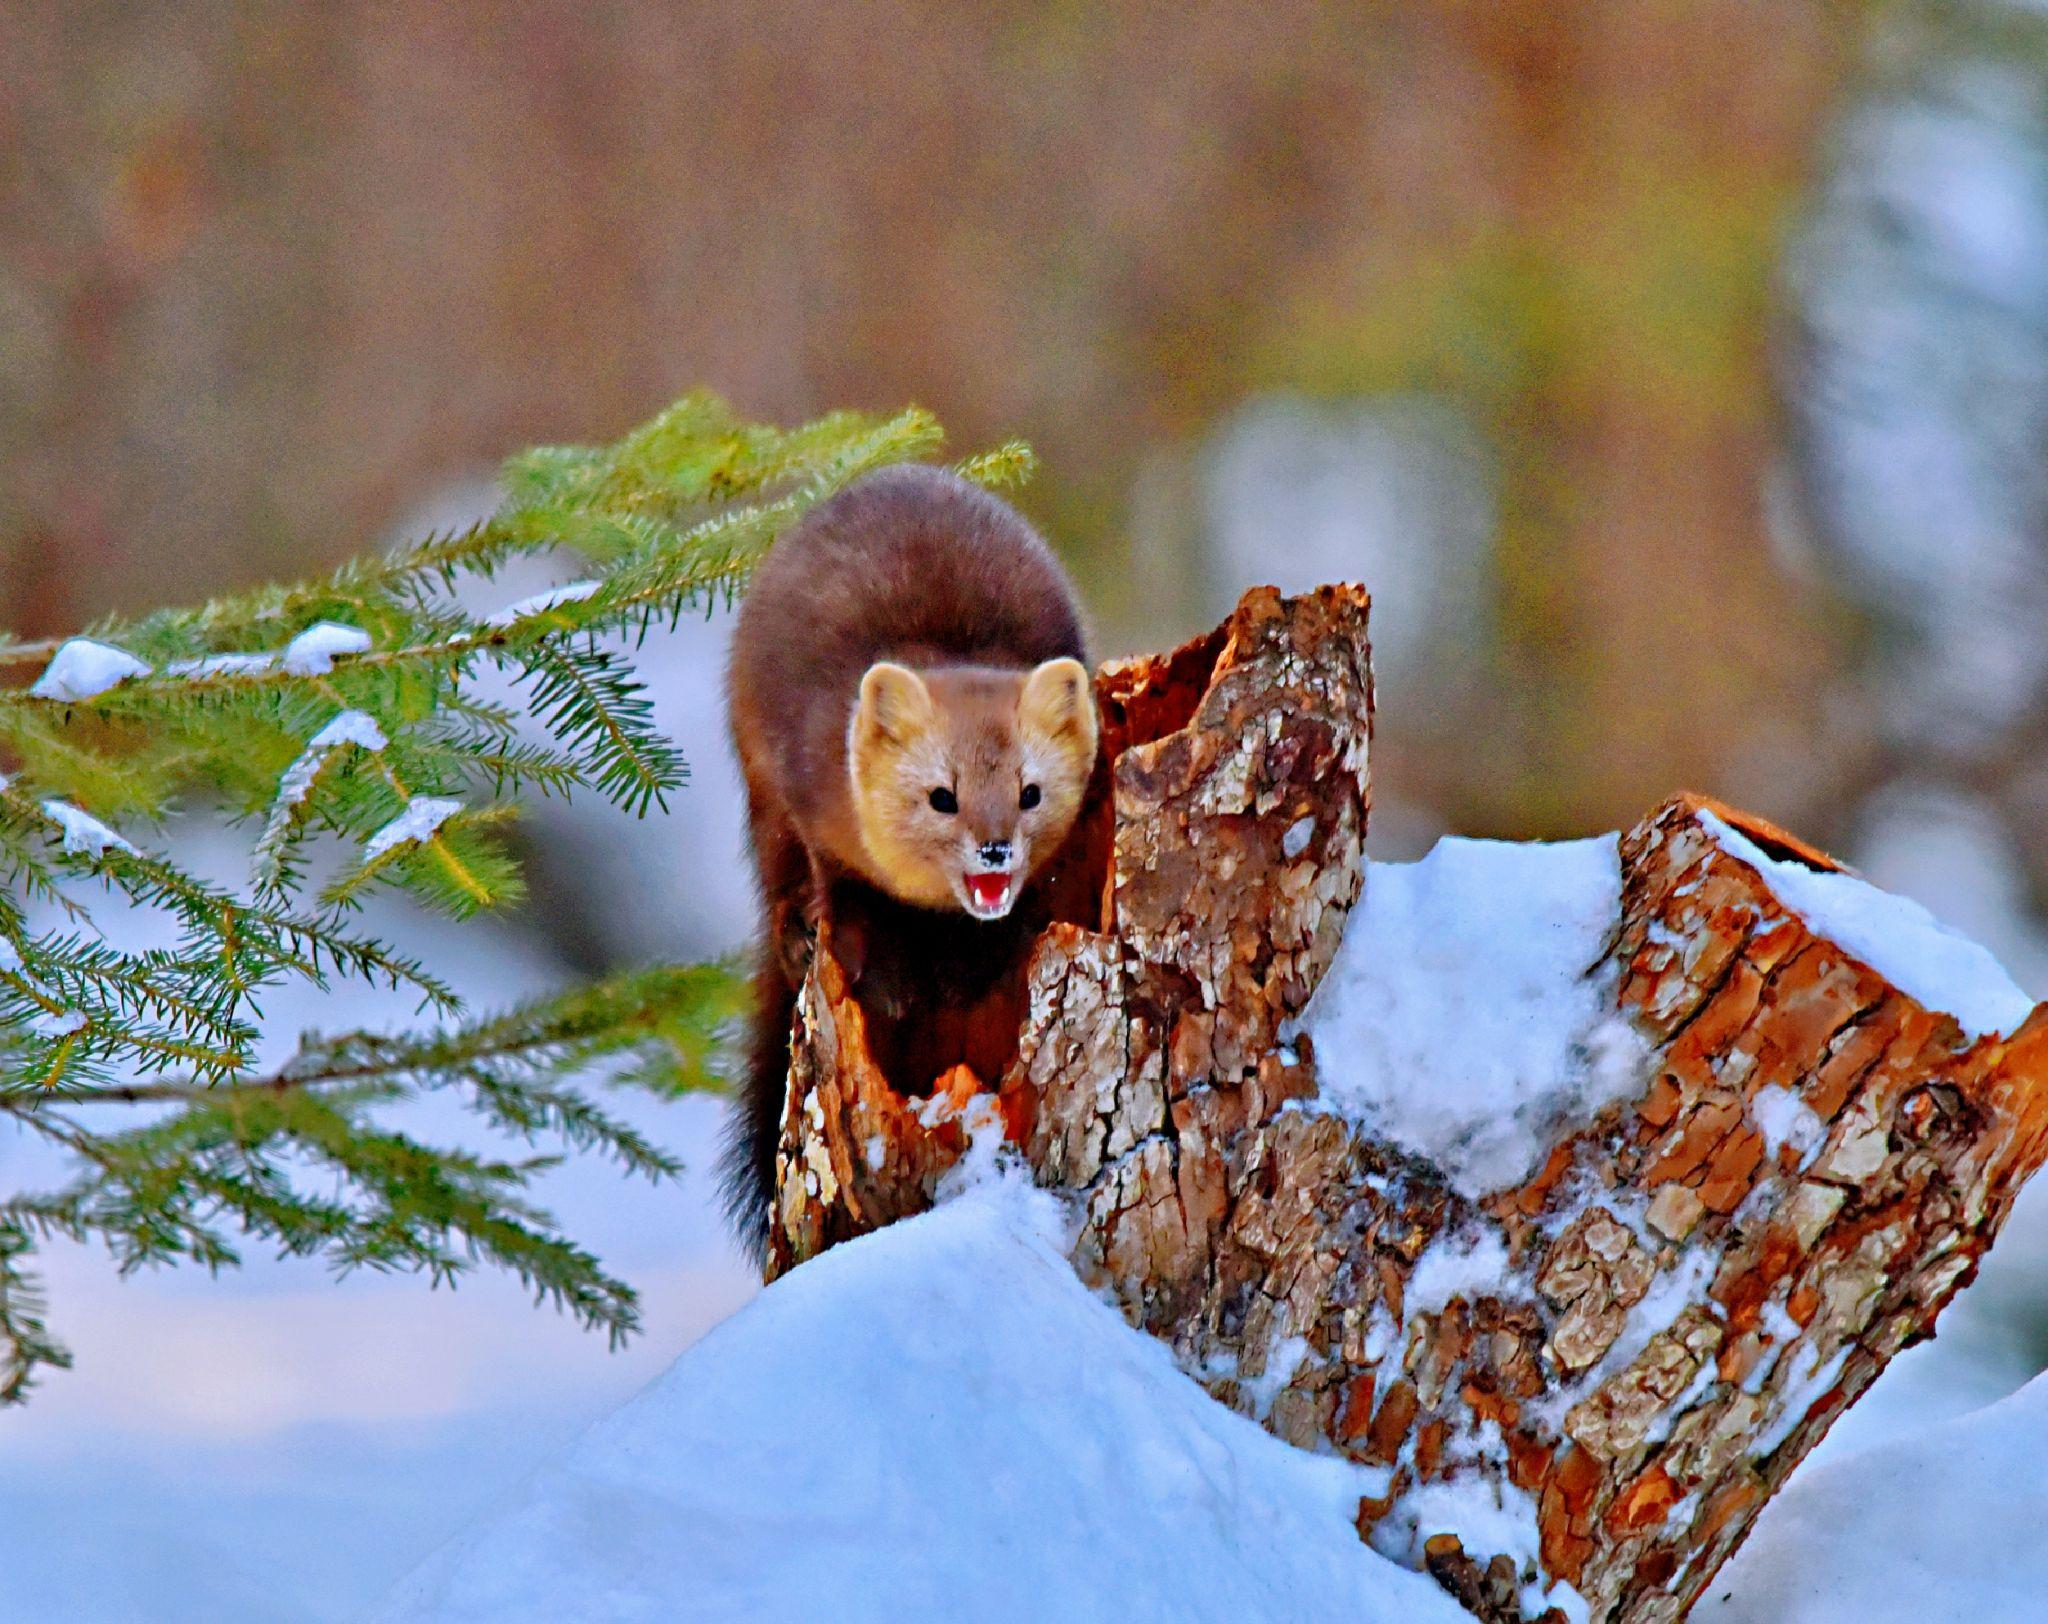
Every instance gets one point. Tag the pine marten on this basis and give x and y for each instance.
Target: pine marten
(914, 719)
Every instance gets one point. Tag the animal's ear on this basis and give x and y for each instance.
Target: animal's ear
(1058, 702)
(894, 704)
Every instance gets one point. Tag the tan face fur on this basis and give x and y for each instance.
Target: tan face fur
(978, 743)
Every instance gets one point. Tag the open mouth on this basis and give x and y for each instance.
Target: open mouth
(989, 895)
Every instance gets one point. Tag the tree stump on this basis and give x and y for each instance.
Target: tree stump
(1679, 1313)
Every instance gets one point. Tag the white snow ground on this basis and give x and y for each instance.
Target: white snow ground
(937, 1421)
(1945, 1524)
(933, 1422)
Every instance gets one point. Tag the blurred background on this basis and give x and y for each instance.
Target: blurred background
(1676, 375)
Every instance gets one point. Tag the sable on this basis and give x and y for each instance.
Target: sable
(917, 730)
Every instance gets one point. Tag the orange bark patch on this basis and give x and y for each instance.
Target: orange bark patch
(1643, 1501)
(1538, 1189)
(1694, 1141)
(1726, 1504)
(1732, 1171)
(1356, 1413)
(1659, 1107)
(1487, 1405)
(1565, 1513)
(1429, 1447)
(1528, 1460)
(1390, 1426)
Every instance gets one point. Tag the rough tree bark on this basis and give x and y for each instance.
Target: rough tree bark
(1275, 1247)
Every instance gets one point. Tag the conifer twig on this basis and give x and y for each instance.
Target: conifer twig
(346, 708)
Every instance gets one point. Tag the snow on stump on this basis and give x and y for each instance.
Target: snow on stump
(1578, 1199)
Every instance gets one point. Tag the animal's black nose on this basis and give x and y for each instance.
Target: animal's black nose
(995, 853)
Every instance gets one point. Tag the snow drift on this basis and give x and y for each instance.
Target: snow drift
(1943, 1524)
(882, 1436)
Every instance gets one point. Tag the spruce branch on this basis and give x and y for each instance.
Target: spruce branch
(351, 711)
(25, 1341)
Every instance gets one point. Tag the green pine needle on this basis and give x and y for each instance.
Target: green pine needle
(344, 710)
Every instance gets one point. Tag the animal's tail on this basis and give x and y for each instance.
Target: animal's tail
(747, 1167)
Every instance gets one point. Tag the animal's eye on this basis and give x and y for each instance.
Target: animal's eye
(1029, 798)
(944, 800)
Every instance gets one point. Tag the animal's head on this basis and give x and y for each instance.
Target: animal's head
(966, 779)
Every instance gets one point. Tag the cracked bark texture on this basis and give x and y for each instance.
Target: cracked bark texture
(1685, 1307)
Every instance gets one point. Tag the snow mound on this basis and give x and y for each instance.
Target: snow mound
(1463, 1019)
(83, 669)
(1944, 1523)
(312, 652)
(936, 1421)
(1894, 935)
(84, 833)
(539, 603)
(423, 815)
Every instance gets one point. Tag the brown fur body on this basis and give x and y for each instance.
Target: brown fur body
(913, 568)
